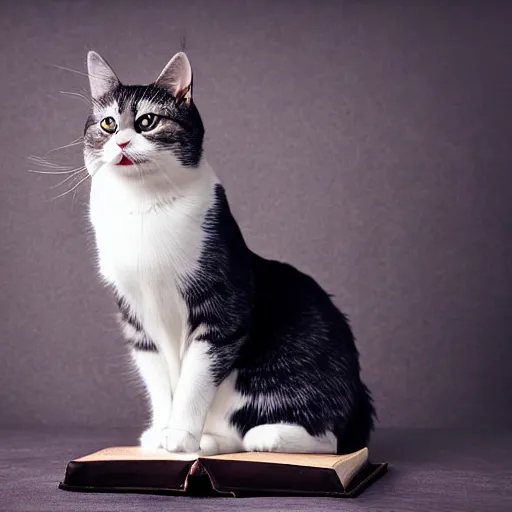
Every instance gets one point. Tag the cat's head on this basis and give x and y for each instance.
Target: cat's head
(138, 129)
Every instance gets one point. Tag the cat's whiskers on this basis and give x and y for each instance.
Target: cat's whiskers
(38, 160)
(73, 188)
(64, 68)
(76, 173)
(86, 98)
(76, 142)
(70, 171)
(76, 95)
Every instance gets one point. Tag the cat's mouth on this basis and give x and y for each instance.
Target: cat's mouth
(124, 161)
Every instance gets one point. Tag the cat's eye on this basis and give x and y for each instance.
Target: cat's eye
(109, 124)
(146, 122)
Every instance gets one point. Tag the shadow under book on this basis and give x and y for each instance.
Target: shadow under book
(138, 470)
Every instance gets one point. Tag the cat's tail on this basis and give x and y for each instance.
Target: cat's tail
(353, 433)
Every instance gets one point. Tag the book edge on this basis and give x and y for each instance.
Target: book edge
(222, 488)
(358, 461)
(380, 468)
(377, 471)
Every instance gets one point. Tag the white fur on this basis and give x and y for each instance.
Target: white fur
(149, 236)
(219, 435)
(283, 437)
(148, 226)
(193, 397)
(153, 370)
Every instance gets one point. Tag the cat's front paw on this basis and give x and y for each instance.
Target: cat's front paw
(174, 440)
(151, 438)
(209, 445)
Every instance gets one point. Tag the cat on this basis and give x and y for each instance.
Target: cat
(237, 352)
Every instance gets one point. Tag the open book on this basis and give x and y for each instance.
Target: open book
(134, 469)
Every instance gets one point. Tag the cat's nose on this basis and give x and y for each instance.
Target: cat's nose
(122, 145)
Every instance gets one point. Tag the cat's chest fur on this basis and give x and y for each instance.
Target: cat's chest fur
(146, 253)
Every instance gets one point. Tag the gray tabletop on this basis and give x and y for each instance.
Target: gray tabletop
(430, 470)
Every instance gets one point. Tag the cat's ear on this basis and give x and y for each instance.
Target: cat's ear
(101, 77)
(176, 77)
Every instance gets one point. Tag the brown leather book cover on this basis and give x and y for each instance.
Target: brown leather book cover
(132, 469)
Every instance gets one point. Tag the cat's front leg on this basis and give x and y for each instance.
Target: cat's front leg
(153, 370)
(192, 399)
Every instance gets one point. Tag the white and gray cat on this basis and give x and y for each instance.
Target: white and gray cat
(237, 352)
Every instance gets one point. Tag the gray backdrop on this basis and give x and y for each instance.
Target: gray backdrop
(368, 143)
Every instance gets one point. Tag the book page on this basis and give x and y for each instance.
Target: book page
(135, 453)
(345, 466)
(296, 459)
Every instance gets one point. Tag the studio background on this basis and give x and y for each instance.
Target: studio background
(368, 143)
